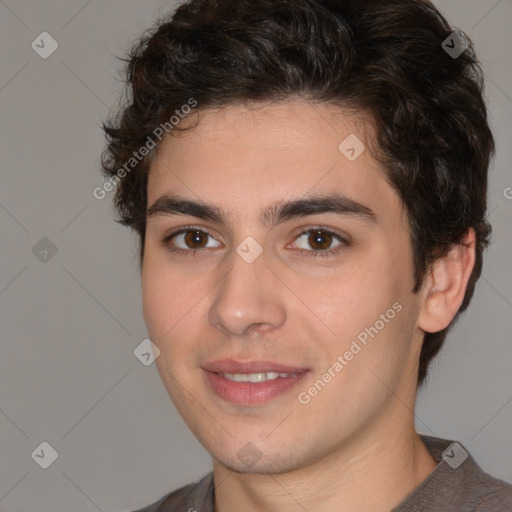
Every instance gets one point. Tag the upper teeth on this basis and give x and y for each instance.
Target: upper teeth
(255, 377)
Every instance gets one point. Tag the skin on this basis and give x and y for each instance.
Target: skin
(355, 442)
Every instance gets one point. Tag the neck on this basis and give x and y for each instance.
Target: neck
(372, 473)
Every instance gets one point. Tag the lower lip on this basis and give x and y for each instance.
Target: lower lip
(251, 393)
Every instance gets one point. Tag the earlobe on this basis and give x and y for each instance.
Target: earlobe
(445, 285)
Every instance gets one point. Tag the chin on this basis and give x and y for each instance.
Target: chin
(264, 466)
(246, 457)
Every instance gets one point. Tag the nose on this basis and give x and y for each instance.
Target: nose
(248, 298)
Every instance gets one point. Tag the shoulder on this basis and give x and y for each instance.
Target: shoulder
(457, 484)
(194, 497)
(493, 494)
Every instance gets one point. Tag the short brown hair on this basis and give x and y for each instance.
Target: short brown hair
(384, 59)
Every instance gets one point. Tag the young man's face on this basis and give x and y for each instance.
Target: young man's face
(344, 322)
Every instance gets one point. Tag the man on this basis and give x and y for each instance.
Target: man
(308, 180)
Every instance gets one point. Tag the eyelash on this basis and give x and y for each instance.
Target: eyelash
(314, 254)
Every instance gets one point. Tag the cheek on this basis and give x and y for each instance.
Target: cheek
(367, 305)
(167, 296)
(351, 299)
(173, 313)
(154, 300)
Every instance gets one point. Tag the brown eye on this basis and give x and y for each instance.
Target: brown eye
(195, 239)
(320, 240)
(190, 240)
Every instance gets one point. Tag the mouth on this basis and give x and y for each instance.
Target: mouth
(256, 377)
(251, 383)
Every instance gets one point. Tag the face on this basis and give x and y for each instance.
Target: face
(285, 321)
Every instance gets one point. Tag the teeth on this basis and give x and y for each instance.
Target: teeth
(256, 377)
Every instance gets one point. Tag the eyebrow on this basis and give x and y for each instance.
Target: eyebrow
(277, 213)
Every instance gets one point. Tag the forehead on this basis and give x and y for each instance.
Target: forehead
(245, 157)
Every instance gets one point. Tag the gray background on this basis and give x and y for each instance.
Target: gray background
(69, 326)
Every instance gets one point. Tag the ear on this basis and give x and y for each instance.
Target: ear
(445, 285)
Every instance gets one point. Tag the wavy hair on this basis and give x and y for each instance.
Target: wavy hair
(383, 59)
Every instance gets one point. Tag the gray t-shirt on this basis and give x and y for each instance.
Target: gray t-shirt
(457, 484)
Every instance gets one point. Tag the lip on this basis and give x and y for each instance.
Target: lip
(251, 393)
